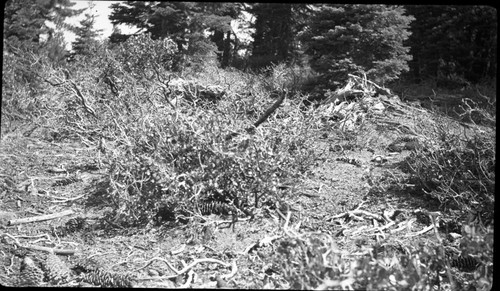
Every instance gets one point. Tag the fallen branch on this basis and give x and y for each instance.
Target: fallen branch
(64, 200)
(263, 118)
(421, 232)
(198, 261)
(263, 242)
(403, 225)
(40, 218)
(65, 252)
(159, 259)
(357, 215)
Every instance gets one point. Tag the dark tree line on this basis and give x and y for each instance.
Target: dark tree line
(382, 41)
(453, 40)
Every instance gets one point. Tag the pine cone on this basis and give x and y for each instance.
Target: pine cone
(107, 279)
(31, 274)
(56, 271)
(465, 263)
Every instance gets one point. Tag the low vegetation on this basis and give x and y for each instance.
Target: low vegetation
(408, 205)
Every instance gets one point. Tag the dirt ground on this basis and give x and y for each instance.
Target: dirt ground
(47, 178)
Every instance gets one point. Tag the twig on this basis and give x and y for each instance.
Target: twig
(234, 270)
(403, 225)
(63, 200)
(66, 252)
(263, 118)
(82, 99)
(265, 241)
(421, 232)
(198, 261)
(40, 218)
(159, 259)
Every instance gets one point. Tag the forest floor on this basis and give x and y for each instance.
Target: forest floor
(239, 255)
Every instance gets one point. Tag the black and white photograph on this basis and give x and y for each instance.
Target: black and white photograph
(248, 145)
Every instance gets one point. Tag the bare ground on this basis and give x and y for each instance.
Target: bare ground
(245, 258)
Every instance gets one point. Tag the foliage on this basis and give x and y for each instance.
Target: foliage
(161, 154)
(18, 86)
(361, 39)
(129, 55)
(26, 27)
(167, 155)
(460, 173)
(85, 35)
(183, 22)
(273, 34)
(454, 44)
(276, 25)
(314, 261)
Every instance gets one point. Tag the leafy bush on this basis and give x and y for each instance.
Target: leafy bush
(24, 91)
(140, 54)
(460, 173)
(166, 153)
(313, 261)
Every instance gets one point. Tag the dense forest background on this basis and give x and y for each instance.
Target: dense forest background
(454, 46)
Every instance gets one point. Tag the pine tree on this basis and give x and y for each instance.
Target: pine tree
(360, 39)
(452, 41)
(86, 35)
(184, 22)
(275, 29)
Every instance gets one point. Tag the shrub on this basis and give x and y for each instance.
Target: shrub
(140, 54)
(460, 172)
(313, 261)
(174, 158)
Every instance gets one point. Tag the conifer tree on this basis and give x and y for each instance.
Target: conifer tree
(453, 41)
(276, 25)
(361, 39)
(86, 35)
(184, 22)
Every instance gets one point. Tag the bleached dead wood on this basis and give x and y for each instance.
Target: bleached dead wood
(40, 218)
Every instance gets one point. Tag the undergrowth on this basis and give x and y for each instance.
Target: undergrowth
(168, 149)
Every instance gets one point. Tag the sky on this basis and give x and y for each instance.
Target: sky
(102, 11)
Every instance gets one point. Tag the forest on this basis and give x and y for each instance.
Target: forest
(249, 145)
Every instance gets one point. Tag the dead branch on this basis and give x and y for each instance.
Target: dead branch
(428, 228)
(64, 200)
(371, 82)
(82, 99)
(358, 215)
(263, 242)
(198, 261)
(40, 218)
(159, 259)
(263, 118)
(65, 252)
